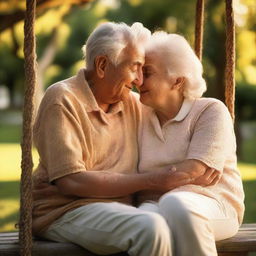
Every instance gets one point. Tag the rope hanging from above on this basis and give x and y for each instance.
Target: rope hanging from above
(199, 28)
(230, 59)
(230, 49)
(25, 222)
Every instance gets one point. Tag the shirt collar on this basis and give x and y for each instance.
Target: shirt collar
(184, 110)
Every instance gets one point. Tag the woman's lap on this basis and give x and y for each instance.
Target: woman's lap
(222, 220)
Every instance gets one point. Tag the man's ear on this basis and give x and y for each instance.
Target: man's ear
(179, 82)
(100, 65)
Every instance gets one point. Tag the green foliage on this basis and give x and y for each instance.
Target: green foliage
(72, 53)
(156, 15)
(246, 102)
(10, 133)
(10, 127)
(214, 48)
(11, 70)
(250, 199)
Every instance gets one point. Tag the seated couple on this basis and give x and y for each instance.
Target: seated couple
(143, 173)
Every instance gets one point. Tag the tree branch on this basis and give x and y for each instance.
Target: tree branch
(10, 19)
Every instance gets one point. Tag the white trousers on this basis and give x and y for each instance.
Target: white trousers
(180, 224)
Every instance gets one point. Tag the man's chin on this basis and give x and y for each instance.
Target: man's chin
(125, 95)
(121, 97)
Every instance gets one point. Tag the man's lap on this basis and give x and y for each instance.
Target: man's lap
(102, 227)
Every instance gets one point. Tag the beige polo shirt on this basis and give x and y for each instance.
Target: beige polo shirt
(72, 134)
(202, 130)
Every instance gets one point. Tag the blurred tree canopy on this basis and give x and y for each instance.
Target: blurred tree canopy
(62, 26)
(13, 11)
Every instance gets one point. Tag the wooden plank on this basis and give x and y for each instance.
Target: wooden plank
(9, 234)
(244, 241)
(43, 248)
(233, 254)
(9, 246)
(48, 249)
(6, 238)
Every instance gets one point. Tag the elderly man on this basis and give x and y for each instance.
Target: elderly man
(86, 136)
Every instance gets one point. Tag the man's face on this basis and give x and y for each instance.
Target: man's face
(120, 79)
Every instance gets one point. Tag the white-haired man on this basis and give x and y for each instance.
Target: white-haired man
(86, 136)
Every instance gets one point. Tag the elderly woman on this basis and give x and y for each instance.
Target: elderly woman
(188, 133)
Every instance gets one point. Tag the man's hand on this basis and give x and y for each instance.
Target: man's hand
(166, 180)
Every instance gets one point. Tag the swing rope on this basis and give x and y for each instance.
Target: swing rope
(199, 28)
(230, 59)
(25, 222)
(230, 49)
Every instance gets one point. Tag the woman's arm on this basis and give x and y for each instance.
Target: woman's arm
(198, 172)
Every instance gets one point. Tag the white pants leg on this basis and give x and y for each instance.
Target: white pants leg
(196, 222)
(107, 228)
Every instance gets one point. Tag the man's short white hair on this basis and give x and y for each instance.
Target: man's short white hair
(180, 60)
(111, 38)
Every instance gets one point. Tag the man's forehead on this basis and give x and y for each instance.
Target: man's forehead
(134, 54)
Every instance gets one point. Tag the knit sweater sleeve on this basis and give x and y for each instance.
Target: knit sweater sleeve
(58, 137)
(213, 136)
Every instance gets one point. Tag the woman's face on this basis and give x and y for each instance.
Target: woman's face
(156, 86)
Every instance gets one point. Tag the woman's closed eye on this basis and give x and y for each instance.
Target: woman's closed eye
(146, 73)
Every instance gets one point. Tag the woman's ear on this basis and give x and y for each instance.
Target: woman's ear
(100, 65)
(179, 83)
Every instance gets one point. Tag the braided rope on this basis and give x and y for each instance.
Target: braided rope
(25, 222)
(199, 28)
(230, 59)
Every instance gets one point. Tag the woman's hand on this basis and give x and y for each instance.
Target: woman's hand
(209, 178)
(199, 172)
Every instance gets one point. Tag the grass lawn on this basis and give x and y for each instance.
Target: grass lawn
(10, 175)
(9, 184)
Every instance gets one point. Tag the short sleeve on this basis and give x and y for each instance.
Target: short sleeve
(213, 136)
(58, 136)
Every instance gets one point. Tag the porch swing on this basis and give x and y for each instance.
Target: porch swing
(241, 244)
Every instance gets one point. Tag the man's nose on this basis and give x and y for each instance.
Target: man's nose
(139, 78)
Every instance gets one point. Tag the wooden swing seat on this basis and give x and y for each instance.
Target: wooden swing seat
(239, 245)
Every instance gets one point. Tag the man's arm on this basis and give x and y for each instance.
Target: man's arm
(102, 184)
